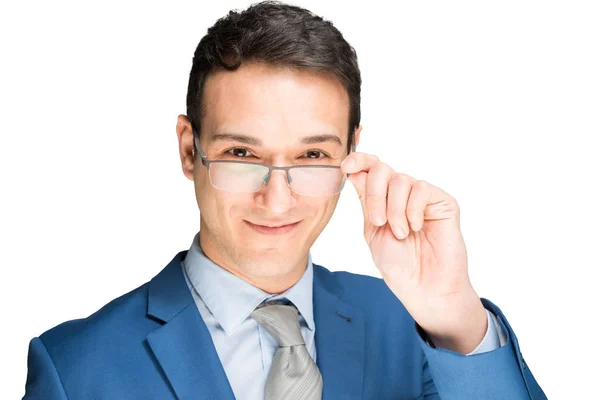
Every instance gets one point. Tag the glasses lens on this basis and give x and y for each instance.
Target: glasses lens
(316, 181)
(311, 181)
(237, 177)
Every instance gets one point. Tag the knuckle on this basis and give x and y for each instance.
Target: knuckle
(380, 167)
(400, 178)
(421, 184)
(388, 168)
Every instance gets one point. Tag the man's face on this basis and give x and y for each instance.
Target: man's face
(277, 107)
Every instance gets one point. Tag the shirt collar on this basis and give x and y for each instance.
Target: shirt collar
(231, 299)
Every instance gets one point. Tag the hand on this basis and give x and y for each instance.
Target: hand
(413, 231)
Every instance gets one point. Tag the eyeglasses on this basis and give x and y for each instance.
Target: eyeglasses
(248, 177)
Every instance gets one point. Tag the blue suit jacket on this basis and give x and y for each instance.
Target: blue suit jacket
(153, 344)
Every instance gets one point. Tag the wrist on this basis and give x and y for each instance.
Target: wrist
(459, 325)
(465, 336)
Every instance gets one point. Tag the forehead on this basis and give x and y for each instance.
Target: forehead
(278, 105)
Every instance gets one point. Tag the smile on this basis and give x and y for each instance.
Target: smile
(279, 230)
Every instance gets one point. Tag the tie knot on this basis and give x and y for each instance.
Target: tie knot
(281, 321)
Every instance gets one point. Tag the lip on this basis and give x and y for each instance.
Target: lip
(272, 230)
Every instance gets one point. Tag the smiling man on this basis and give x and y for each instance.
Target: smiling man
(269, 140)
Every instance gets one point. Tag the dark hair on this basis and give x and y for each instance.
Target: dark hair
(280, 35)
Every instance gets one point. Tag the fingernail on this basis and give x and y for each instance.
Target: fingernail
(400, 233)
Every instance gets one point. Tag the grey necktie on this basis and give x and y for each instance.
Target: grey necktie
(293, 374)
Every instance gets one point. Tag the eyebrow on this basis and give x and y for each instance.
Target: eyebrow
(322, 138)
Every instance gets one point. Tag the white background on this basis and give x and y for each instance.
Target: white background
(497, 103)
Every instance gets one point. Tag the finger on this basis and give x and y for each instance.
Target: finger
(357, 161)
(377, 191)
(398, 192)
(357, 164)
(420, 196)
(440, 205)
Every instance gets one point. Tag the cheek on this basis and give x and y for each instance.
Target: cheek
(203, 190)
(327, 207)
(331, 204)
(321, 210)
(212, 203)
(202, 184)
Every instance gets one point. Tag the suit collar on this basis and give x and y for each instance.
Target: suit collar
(185, 351)
(168, 293)
(183, 346)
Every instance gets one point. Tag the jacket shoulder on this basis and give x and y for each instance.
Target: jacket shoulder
(114, 322)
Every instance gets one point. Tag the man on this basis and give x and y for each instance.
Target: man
(269, 139)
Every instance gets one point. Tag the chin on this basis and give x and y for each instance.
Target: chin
(257, 248)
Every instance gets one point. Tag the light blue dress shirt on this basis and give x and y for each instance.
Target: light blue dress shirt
(245, 349)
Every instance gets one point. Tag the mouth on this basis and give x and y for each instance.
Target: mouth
(272, 230)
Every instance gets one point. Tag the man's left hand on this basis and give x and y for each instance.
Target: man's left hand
(413, 231)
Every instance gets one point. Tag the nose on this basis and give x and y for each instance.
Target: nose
(277, 196)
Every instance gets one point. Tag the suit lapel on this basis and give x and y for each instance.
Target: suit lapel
(185, 351)
(339, 339)
(183, 346)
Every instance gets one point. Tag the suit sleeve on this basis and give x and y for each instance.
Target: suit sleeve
(43, 381)
(497, 374)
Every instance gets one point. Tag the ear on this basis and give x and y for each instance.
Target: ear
(185, 137)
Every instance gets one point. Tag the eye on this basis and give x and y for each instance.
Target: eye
(242, 152)
(316, 152)
(237, 151)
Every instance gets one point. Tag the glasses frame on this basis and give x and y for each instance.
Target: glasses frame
(206, 162)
